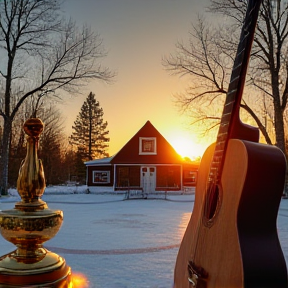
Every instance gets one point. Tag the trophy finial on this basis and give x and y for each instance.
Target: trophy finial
(33, 127)
(31, 179)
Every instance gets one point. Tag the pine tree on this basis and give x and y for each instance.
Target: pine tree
(90, 132)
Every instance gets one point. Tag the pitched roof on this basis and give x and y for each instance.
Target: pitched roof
(105, 160)
(165, 153)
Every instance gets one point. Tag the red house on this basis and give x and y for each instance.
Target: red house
(147, 162)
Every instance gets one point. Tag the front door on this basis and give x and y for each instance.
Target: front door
(148, 179)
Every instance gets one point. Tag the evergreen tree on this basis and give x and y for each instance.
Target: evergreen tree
(90, 132)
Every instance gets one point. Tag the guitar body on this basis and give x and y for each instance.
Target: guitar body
(240, 246)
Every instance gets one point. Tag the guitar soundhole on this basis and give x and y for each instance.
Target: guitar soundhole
(212, 204)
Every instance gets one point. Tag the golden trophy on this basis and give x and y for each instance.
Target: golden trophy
(31, 223)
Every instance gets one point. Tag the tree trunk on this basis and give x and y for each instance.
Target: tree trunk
(279, 131)
(5, 156)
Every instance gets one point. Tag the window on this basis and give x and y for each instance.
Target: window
(128, 176)
(189, 176)
(101, 176)
(168, 176)
(147, 146)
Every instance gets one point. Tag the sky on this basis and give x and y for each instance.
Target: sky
(137, 34)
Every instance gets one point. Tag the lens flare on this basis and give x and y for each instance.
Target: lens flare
(79, 280)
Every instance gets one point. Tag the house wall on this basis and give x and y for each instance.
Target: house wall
(168, 177)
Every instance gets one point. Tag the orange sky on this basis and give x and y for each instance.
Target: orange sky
(137, 34)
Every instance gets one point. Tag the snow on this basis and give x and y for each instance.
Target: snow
(121, 244)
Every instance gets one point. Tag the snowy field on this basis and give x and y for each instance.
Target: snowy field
(122, 244)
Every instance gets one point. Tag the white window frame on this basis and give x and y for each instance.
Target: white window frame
(101, 171)
(141, 152)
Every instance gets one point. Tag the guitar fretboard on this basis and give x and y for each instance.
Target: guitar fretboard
(235, 90)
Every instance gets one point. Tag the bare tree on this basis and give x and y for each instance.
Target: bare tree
(269, 73)
(208, 67)
(209, 56)
(42, 54)
(51, 144)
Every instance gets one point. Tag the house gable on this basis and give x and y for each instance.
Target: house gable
(147, 146)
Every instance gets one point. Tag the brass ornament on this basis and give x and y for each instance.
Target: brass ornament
(29, 225)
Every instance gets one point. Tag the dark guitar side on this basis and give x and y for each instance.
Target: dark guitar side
(241, 248)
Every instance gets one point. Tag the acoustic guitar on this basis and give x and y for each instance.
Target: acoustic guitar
(231, 239)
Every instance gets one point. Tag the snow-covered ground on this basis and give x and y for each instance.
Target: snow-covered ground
(122, 244)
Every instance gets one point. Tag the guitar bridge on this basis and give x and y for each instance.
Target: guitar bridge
(197, 276)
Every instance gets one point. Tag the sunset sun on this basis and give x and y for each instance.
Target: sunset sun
(186, 147)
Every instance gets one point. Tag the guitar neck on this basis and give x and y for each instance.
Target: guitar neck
(235, 90)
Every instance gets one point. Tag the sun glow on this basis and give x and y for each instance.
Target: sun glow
(186, 147)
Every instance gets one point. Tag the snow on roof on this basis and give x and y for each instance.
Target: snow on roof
(105, 160)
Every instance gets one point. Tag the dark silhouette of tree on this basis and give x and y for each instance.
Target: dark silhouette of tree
(51, 143)
(90, 131)
(70, 166)
(41, 54)
(79, 166)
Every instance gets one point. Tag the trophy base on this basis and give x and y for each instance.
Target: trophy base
(49, 271)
